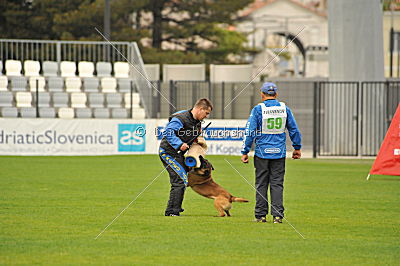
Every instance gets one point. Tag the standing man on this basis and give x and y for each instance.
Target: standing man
(267, 123)
(182, 127)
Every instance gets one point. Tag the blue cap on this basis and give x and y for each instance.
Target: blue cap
(269, 88)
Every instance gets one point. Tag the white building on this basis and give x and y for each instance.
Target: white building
(271, 24)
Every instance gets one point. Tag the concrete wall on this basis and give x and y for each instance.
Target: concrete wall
(387, 23)
(355, 40)
(184, 72)
(231, 73)
(152, 71)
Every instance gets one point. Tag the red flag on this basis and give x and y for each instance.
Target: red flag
(388, 160)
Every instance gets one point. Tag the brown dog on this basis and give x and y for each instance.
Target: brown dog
(200, 180)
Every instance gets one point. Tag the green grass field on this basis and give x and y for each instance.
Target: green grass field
(52, 208)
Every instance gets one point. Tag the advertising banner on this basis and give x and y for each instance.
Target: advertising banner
(38, 136)
(223, 137)
(75, 137)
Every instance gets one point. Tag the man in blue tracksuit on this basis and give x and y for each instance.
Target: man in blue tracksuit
(179, 134)
(266, 125)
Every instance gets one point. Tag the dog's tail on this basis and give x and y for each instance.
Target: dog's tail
(235, 199)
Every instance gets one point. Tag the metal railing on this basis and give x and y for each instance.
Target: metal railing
(335, 118)
(46, 50)
(351, 118)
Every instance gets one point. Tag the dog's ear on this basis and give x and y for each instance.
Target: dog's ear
(212, 167)
(201, 160)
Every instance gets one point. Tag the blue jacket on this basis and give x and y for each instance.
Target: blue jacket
(269, 146)
(170, 133)
(181, 128)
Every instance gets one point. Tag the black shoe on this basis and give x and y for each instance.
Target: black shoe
(181, 210)
(260, 220)
(277, 220)
(171, 214)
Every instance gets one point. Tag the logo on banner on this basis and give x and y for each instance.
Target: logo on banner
(131, 137)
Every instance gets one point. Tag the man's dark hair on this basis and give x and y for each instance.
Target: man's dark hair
(204, 103)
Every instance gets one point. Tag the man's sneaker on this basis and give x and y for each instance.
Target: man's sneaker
(277, 220)
(260, 220)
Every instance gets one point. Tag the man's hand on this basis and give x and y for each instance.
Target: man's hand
(184, 147)
(296, 154)
(245, 158)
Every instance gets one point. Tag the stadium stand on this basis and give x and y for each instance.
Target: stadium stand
(50, 69)
(73, 84)
(83, 113)
(135, 100)
(138, 113)
(31, 68)
(23, 99)
(96, 100)
(121, 70)
(66, 113)
(60, 99)
(3, 83)
(6, 99)
(18, 83)
(28, 112)
(55, 84)
(78, 100)
(39, 82)
(91, 92)
(47, 112)
(13, 68)
(101, 113)
(85, 69)
(90, 85)
(44, 99)
(114, 100)
(68, 69)
(124, 85)
(119, 113)
(9, 112)
(108, 85)
(103, 69)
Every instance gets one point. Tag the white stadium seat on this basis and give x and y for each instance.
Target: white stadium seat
(41, 84)
(73, 84)
(3, 83)
(50, 69)
(135, 100)
(9, 112)
(78, 100)
(138, 113)
(66, 113)
(68, 69)
(121, 70)
(23, 99)
(103, 69)
(109, 85)
(85, 69)
(31, 68)
(13, 68)
(6, 99)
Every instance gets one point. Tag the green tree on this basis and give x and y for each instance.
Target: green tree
(196, 30)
